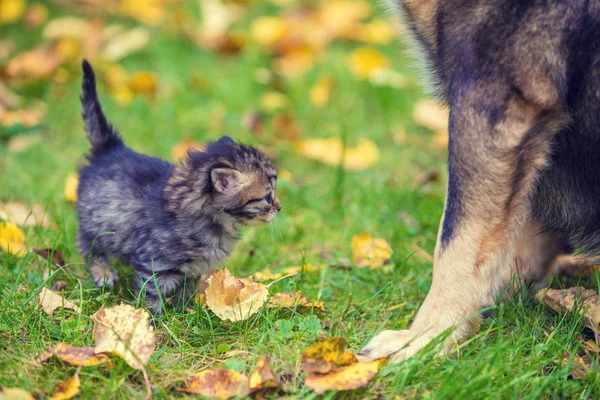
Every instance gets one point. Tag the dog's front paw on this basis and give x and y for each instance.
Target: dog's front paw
(384, 345)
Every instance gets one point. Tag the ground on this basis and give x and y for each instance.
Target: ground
(202, 95)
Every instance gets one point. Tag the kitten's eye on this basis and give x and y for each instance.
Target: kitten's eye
(268, 198)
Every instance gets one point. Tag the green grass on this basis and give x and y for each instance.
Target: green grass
(513, 356)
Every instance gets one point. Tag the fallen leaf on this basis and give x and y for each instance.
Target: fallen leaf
(14, 394)
(217, 17)
(378, 31)
(57, 257)
(78, 356)
(262, 377)
(565, 300)
(67, 389)
(71, 185)
(24, 215)
(268, 31)
(293, 299)
(274, 101)
(69, 26)
(20, 143)
(149, 12)
(50, 301)
(430, 114)
(143, 82)
(125, 43)
(38, 63)
(180, 150)
(440, 139)
(12, 240)
(126, 332)
(7, 46)
(580, 365)
(8, 98)
(322, 357)
(286, 127)
(11, 11)
(350, 377)
(370, 252)
(284, 175)
(233, 298)
(366, 61)
(27, 117)
(296, 61)
(321, 91)
(220, 383)
(36, 15)
(342, 17)
(329, 151)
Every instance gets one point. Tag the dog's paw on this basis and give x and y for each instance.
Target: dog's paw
(395, 345)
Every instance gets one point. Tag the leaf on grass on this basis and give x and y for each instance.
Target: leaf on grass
(57, 257)
(286, 127)
(20, 143)
(293, 299)
(580, 365)
(14, 394)
(254, 122)
(329, 151)
(351, 377)
(79, 356)
(180, 150)
(12, 240)
(36, 15)
(268, 274)
(38, 63)
(320, 92)
(322, 357)
(378, 31)
(126, 332)
(126, 43)
(274, 101)
(262, 377)
(11, 11)
(27, 117)
(50, 301)
(71, 185)
(24, 215)
(268, 31)
(233, 298)
(296, 61)
(370, 252)
(430, 114)
(143, 82)
(366, 61)
(220, 383)
(565, 300)
(67, 389)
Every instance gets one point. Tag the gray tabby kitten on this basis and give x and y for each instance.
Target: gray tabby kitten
(175, 224)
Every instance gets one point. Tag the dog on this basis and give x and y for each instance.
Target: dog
(521, 79)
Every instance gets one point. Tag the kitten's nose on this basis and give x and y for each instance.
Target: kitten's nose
(277, 204)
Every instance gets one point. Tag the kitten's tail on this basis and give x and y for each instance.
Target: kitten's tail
(100, 132)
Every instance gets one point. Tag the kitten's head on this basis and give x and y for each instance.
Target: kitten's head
(227, 180)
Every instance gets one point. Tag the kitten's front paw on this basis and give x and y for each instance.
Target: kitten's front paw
(103, 274)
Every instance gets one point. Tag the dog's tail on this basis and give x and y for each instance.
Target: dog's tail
(100, 132)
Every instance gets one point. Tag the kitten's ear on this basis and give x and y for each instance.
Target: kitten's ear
(226, 140)
(227, 180)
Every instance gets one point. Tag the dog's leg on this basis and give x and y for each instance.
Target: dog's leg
(493, 162)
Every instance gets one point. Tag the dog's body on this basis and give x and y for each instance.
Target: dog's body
(522, 81)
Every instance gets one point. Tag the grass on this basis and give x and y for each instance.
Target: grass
(513, 356)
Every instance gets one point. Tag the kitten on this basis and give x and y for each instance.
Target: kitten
(175, 224)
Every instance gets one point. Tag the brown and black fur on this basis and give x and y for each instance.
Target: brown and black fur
(521, 81)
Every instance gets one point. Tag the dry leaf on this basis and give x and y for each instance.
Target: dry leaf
(322, 357)
(329, 151)
(11, 11)
(20, 143)
(268, 31)
(12, 240)
(79, 356)
(350, 377)
(366, 61)
(274, 101)
(370, 252)
(296, 61)
(67, 389)
(565, 300)
(293, 299)
(57, 28)
(14, 394)
(24, 215)
(71, 185)
(50, 301)
(36, 15)
(378, 31)
(286, 127)
(126, 43)
(180, 150)
(126, 332)
(57, 257)
(580, 365)
(262, 377)
(27, 117)
(143, 82)
(232, 298)
(321, 91)
(220, 383)
(8, 98)
(430, 114)
(284, 175)
(37, 64)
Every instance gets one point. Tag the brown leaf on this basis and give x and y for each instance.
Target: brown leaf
(79, 356)
(293, 299)
(262, 377)
(36, 15)
(430, 114)
(126, 332)
(8, 98)
(14, 394)
(50, 301)
(286, 127)
(580, 365)
(233, 298)
(351, 377)
(27, 117)
(125, 43)
(563, 301)
(67, 389)
(20, 143)
(220, 383)
(38, 63)
(24, 215)
(57, 257)
(322, 357)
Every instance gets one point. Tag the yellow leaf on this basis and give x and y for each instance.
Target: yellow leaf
(296, 61)
(79, 356)
(50, 301)
(180, 150)
(24, 215)
(329, 151)
(38, 63)
(143, 82)
(293, 299)
(220, 383)
(268, 31)
(378, 31)
(322, 357)
(262, 377)
(284, 175)
(149, 12)
(68, 49)
(36, 15)
(12, 240)
(19, 143)
(440, 139)
(430, 114)
(67, 389)
(122, 95)
(366, 61)
(273, 101)
(125, 43)
(11, 10)
(57, 28)
(71, 185)
(351, 377)
(232, 298)
(342, 17)
(125, 332)
(370, 252)
(14, 394)
(321, 91)
(28, 117)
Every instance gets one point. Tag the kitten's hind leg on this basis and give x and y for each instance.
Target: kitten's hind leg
(185, 293)
(103, 273)
(154, 288)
